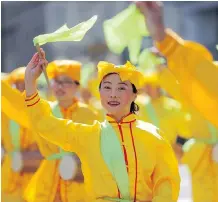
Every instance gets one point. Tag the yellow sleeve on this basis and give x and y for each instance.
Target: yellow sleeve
(13, 105)
(64, 133)
(45, 147)
(166, 175)
(197, 75)
(169, 83)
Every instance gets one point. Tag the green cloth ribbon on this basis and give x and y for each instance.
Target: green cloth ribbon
(148, 61)
(57, 113)
(126, 29)
(113, 156)
(64, 33)
(14, 129)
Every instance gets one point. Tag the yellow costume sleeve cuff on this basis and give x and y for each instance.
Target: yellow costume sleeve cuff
(170, 43)
(32, 100)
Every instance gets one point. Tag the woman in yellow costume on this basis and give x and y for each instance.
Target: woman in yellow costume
(22, 156)
(123, 159)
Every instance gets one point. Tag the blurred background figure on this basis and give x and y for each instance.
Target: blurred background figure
(22, 157)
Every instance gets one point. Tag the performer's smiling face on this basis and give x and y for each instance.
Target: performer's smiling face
(116, 95)
(64, 88)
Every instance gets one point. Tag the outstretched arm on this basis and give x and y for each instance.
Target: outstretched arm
(191, 64)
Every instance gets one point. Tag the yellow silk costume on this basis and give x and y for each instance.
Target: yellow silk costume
(14, 183)
(150, 162)
(204, 170)
(197, 75)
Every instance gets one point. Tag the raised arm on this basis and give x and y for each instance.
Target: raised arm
(190, 62)
(61, 132)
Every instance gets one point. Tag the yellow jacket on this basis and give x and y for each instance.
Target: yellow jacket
(171, 118)
(151, 164)
(197, 75)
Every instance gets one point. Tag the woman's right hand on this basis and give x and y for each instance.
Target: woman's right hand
(33, 71)
(153, 12)
(35, 66)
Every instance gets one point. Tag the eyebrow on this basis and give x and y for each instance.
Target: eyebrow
(118, 83)
(107, 82)
(123, 83)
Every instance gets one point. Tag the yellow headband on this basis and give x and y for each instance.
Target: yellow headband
(126, 72)
(17, 75)
(69, 68)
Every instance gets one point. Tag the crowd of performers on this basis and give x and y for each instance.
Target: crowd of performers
(122, 136)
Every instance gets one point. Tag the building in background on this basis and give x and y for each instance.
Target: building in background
(22, 21)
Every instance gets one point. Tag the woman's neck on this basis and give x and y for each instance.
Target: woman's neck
(66, 103)
(118, 118)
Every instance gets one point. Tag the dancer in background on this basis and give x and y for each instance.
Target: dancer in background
(22, 157)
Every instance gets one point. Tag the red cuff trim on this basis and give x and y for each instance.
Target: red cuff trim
(33, 103)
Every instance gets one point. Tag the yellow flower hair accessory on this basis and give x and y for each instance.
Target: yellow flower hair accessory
(126, 72)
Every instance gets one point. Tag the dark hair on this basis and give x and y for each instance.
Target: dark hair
(77, 83)
(133, 107)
